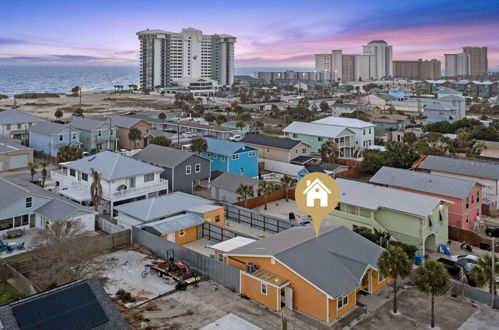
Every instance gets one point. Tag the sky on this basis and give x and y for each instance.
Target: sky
(270, 33)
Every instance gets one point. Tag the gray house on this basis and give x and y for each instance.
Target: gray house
(181, 168)
(224, 187)
(440, 111)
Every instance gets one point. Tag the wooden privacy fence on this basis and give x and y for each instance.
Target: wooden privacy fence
(251, 203)
(461, 235)
(13, 277)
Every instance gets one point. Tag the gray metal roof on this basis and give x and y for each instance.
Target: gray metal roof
(163, 156)
(115, 321)
(373, 197)
(315, 129)
(124, 121)
(432, 183)
(230, 182)
(343, 122)
(438, 106)
(161, 206)
(338, 252)
(270, 141)
(451, 98)
(112, 166)
(11, 116)
(173, 224)
(87, 124)
(12, 146)
(6, 139)
(48, 128)
(474, 168)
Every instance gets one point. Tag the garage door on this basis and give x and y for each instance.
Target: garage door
(1, 165)
(18, 161)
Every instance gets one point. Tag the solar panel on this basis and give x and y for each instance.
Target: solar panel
(73, 308)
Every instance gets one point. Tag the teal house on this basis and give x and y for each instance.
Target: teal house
(232, 157)
(96, 135)
(411, 218)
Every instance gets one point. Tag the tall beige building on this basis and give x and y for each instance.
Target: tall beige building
(420, 69)
(381, 60)
(479, 64)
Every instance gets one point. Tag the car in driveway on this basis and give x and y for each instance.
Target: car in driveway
(469, 257)
(235, 138)
(455, 267)
(189, 135)
(492, 231)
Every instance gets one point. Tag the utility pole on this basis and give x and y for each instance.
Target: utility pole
(178, 132)
(493, 289)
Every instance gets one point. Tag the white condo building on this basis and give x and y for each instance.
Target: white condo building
(382, 58)
(167, 57)
(457, 65)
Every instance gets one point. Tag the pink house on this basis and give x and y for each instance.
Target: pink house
(465, 195)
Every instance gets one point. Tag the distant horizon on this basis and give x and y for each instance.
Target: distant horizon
(269, 34)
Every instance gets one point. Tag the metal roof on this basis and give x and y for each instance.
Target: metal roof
(6, 139)
(271, 141)
(232, 244)
(112, 166)
(373, 197)
(87, 124)
(11, 116)
(338, 252)
(432, 183)
(164, 156)
(124, 121)
(6, 147)
(438, 106)
(474, 168)
(161, 206)
(48, 128)
(315, 168)
(313, 129)
(226, 148)
(344, 122)
(451, 98)
(173, 224)
(230, 182)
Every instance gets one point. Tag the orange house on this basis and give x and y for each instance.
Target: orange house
(123, 126)
(320, 276)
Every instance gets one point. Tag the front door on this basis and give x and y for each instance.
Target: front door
(288, 297)
(365, 282)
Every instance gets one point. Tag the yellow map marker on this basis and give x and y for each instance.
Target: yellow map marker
(317, 194)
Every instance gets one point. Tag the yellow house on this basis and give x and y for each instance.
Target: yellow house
(222, 248)
(281, 149)
(179, 229)
(320, 277)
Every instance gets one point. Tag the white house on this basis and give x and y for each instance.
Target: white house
(123, 179)
(364, 131)
(317, 190)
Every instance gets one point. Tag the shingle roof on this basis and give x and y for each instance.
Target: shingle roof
(11, 116)
(312, 129)
(163, 156)
(87, 124)
(230, 182)
(270, 141)
(173, 224)
(432, 183)
(314, 169)
(344, 122)
(161, 206)
(48, 128)
(114, 321)
(124, 121)
(227, 148)
(338, 252)
(373, 197)
(112, 166)
(474, 168)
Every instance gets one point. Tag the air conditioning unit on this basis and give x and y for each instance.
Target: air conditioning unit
(250, 267)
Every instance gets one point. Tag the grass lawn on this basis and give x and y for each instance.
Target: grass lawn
(8, 294)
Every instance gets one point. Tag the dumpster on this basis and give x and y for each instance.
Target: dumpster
(419, 259)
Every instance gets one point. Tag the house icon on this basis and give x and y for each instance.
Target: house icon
(317, 190)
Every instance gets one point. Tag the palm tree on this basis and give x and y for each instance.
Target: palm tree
(32, 169)
(44, 165)
(481, 273)
(394, 263)
(134, 135)
(329, 150)
(240, 124)
(432, 278)
(75, 90)
(96, 189)
(288, 182)
(265, 188)
(245, 191)
(58, 114)
(199, 145)
(162, 117)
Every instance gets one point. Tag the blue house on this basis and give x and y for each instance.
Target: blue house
(47, 137)
(232, 157)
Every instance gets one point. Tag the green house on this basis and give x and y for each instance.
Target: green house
(96, 135)
(409, 217)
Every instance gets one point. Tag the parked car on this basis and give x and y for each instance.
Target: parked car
(469, 257)
(454, 268)
(189, 135)
(492, 231)
(235, 138)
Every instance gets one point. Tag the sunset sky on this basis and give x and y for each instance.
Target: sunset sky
(269, 33)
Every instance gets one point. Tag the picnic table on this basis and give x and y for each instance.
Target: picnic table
(14, 233)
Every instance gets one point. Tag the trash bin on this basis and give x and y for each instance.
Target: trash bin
(419, 259)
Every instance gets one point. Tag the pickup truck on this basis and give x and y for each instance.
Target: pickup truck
(454, 268)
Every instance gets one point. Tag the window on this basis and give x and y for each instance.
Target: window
(72, 172)
(295, 135)
(467, 218)
(304, 151)
(25, 220)
(364, 132)
(477, 212)
(61, 137)
(188, 169)
(252, 153)
(18, 126)
(263, 289)
(74, 136)
(342, 301)
(197, 168)
(478, 196)
(217, 218)
(8, 127)
(99, 133)
(84, 177)
(181, 233)
(467, 202)
(320, 139)
(296, 151)
(149, 177)
(268, 150)
(440, 217)
(236, 156)
(351, 209)
(29, 202)
(220, 257)
(131, 182)
(369, 131)
(222, 158)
